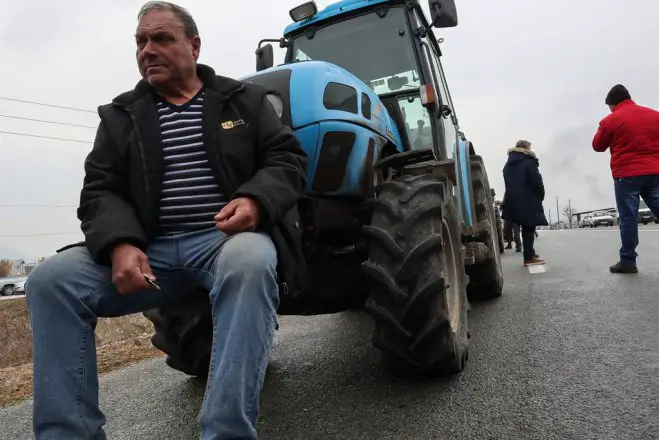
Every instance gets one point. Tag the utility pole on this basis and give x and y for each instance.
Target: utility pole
(558, 215)
(569, 204)
(549, 218)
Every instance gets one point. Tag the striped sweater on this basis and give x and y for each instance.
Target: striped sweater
(190, 194)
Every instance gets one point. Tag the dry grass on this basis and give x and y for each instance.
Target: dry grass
(120, 341)
(15, 334)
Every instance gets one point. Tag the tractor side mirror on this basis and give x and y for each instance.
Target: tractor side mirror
(265, 57)
(443, 13)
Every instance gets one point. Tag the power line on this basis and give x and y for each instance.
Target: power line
(45, 137)
(48, 105)
(39, 235)
(46, 122)
(36, 206)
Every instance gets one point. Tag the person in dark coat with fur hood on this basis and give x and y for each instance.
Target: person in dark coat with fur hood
(525, 192)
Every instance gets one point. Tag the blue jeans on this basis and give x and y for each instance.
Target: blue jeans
(628, 191)
(67, 292)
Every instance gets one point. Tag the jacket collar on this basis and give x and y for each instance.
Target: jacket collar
(625, 103)
(223, 86)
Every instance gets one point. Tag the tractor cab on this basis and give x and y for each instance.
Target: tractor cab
(390, 46)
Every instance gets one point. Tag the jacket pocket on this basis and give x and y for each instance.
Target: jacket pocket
(236, 149)
(291, 265)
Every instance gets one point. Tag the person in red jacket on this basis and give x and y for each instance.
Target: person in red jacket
(631, 133)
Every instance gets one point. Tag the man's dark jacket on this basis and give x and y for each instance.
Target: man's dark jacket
(525, 191)
(260, 158)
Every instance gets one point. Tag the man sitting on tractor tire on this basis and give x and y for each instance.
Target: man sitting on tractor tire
(189, 176)
(525, 192)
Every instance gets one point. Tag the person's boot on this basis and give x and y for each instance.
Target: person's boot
(623, 268)
(534, 262)
(518, 250)
(510, 246)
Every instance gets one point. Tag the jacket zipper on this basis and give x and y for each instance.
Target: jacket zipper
(216, 120)
(145, 179)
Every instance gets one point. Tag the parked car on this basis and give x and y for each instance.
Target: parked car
(12, 285)
(20, 287)
(587, 221)
(645, 216)
(602, 219)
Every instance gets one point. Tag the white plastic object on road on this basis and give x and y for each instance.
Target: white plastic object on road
(534, 270)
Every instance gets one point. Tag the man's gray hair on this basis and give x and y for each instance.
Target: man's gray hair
(189, 25)
(526, 145)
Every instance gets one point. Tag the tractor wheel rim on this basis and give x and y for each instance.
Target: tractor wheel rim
(451, 280)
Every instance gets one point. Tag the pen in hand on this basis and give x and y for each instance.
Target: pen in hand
(148, 280)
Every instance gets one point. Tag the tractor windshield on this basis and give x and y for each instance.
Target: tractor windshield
(378, 50)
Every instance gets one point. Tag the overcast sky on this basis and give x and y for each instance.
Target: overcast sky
(516, 68)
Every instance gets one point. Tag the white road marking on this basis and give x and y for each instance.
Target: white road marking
(534, 270)
(599, 230)
(7, 298)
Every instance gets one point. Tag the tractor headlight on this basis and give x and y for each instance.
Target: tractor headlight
(304, 11)
(277, 103)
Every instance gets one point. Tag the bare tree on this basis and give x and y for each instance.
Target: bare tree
(569, 212)
(5, 268)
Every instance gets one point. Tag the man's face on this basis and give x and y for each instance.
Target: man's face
(164, 54)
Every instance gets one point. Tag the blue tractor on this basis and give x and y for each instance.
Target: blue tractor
(398, 216)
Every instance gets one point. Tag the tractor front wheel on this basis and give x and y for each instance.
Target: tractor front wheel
(416, 265)
(485, 277)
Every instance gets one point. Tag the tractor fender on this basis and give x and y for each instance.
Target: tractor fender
(377, 150)
(463, 153)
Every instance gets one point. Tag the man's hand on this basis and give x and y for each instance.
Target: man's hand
(129, 265)
(239, 215)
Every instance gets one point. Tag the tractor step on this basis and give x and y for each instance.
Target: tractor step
(476, 252)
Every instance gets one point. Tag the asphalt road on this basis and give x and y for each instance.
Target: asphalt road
(572, 353)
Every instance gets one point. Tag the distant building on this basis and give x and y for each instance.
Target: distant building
(17, 267)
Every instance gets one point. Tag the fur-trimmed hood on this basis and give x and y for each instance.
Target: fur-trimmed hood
(523, 151)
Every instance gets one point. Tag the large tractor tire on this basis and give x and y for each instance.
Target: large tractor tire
(416, 267)
(185, 336)
(485, 277)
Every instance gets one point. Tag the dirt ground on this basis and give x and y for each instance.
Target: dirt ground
(120, 342)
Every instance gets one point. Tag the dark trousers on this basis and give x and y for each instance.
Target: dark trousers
(528, 238)
(511, 232)
(628, 192)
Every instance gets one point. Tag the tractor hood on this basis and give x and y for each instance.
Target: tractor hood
(309, 92)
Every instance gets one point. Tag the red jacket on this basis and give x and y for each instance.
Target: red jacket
(632, 133)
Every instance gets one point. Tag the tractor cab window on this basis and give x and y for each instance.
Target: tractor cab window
(417, 122)
(364, 45)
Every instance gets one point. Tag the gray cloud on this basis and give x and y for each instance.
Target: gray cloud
(516, 69)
